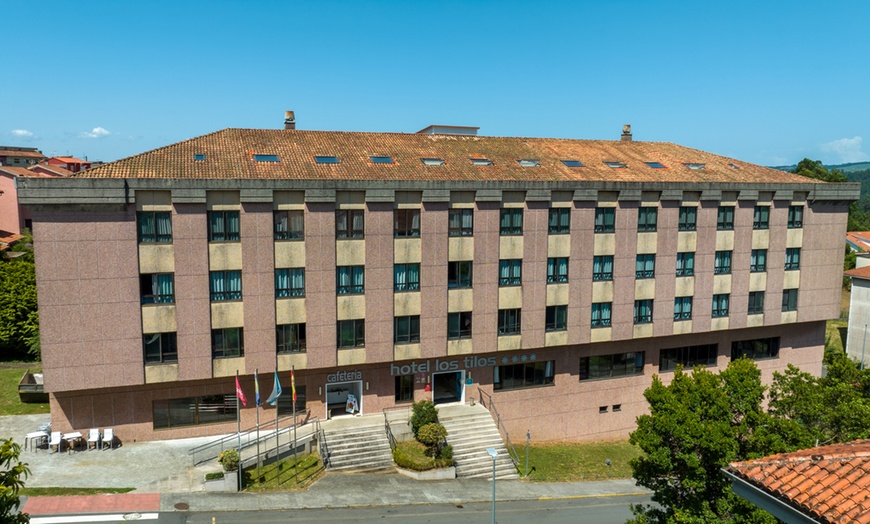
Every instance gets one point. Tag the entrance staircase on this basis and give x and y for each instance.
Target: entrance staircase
(357, 445)
(470, 430)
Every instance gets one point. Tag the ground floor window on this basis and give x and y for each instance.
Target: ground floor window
(611, 366)
(192, 411)
(688, 357)
(285, 401)
(757, 349)
(524, 375)
(405, 388)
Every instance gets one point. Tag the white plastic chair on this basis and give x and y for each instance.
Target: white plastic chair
(109, 437)
(56, 440)
(93, 438)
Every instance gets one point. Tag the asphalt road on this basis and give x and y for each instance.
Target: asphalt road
(591, 510)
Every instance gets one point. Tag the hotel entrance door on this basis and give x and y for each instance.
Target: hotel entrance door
(448, 387)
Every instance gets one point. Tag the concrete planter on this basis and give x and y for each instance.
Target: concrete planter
(230, 482)
(431, 474)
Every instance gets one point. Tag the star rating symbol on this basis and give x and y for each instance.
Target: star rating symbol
(533, 357)
(524, 358)
(514, 359)
(504, 360)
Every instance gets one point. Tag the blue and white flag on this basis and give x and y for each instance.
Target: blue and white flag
(276, 391)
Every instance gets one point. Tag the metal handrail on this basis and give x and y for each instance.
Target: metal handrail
(489, 404)
(248, 437)
(322, 446)
(388, 429)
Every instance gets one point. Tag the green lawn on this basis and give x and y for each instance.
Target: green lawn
(10, 375)
(66, 492)
(567, 462)
(282, 476)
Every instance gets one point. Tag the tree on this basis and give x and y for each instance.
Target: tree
(12, 478)
(19, 318)
(697, 425)
(858, 219)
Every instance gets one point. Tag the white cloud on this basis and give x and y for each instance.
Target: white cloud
(849, 150)
(97, 132)
(22, 133)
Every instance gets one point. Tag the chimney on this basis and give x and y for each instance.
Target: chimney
(289, 120)
(626, 133)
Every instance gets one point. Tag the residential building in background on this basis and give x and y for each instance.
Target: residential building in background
(20, 156)
(69, 163)
(555, 276)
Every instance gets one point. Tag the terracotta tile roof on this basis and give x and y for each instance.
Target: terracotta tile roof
(8, 239)
(860, 239)
(229, 154)
(69, 159)
(22, 171)
(858, 272)
(56, 170)
(23, 154)
(828, 483)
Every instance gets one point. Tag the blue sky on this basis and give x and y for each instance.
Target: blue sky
(767, 82)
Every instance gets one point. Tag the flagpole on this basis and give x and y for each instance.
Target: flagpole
(257, 407)
(293, 391)
(238, 434)
(277, 444)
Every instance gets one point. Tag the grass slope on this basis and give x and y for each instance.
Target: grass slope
(10, 375)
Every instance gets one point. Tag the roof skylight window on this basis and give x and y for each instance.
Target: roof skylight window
(695, 166)
(655, 165)
(382, 159)
(481, 161)
(529, 162)
(325, 159)
(572, 163)
(432, 161)
(199, 157)
(733, 166)
(615, 165)
(266, 158)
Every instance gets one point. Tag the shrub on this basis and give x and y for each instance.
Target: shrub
(229, 459)
(214, 475)
(424, 412)
(411, 455)
(432, 436)
(447, 452)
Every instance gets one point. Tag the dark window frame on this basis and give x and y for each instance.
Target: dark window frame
(350, 289)
(290, 338)
(350, 231)
(515, 272)
(202, 410)
(756, 303)
(614, 365)
(721, 305)
(755, 349)
(725, 218)
(758, 261)
(224, 349)
(761, 217)
(148, 233)
(603, 320)
(406, 329)
(599, 261)
(647, 219)
(289, 224)
(524, 375)
(688, 218)
(403, 223)
(231, 228)
(357, 326)
(790, 299)
(556, 319)
(456, 278)
(722, 262)
(689, 357)
(290, 290)
(795, 217)
(408, 285)
(645, 266)
(554, 273)
(227, 295)
(685, 264)
(559, 221)
(643, 311)
(404, 388)
(460, 325)
(514, 226)
(510, 321)
(456, 219)
(150, 289)
(166, 347)
(605, 219)
(682, 308)
(792, 258)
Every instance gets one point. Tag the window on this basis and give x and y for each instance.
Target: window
(290, 282)
(525, 375)
(459, 274)
(406, 223)
(381, 159)
(405, 388)
(459, 325)
(406, 277)
(432, 161)
(655, 165)
(510, 272)
(761, 217)
(226, 343)
(685, 264)
(725, 218)
(615, 165)
(683, 308)
(223, 226)
(557, 270)
(157, 288)
(695, 166)
(225, 285)
(572, 163)
(191, 411)
(351, 333)
(350, 280)
(688, 218)
(285, 402)
(556, 318)
(160, 347)
(795, 217)
(460, 222)
(756, 302)
(755, 349)
(560, 221)
(643, 311)
(480, 161)
(511, 222)
(720, 305)
(350, 223)
(265, 158)
(289, 225)
(290, 338)
(602, 268)
(789, 299)
(722, 263)
(792, 258)
(758, 261)
(688, 357)
(645, 266)
(646, 219)
(601, 314)
(509, 321)
(605, 219)
(325, 159)
(529, 162)
(611, 366)
(406, 330)
(199, 157)
(154, 226)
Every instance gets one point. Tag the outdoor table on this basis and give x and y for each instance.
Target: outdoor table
(36, 436)
(72, 439)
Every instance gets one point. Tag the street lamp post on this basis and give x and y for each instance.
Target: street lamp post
(492, 452)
